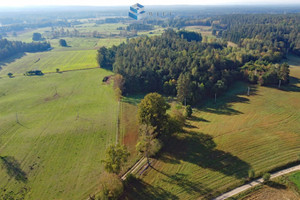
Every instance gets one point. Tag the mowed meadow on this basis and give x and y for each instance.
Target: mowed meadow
(53, 133)
(223, 141)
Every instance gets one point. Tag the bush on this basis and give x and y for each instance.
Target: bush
(37, 37)
(251, 174)
(188, 111)
(63, 43)
(266, 177)
(111, 187)
(10, 75)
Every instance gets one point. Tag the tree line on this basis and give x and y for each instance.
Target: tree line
(10, 48)
(272, 35)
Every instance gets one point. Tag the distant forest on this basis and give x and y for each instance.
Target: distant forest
(180, 63)
(268, 34)
(10, 48)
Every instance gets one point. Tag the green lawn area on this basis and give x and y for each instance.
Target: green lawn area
(295, 178)
(222, 141)
(50, 60)
(53, 133)
(204, 30)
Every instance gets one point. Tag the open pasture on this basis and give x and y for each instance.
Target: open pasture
(53, 133)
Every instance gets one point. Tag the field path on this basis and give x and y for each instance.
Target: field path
(138, 165)
(256, 182)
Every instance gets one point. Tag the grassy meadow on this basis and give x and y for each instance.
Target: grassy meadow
(223, 141)
(53, 133)
(49, 61)
(295, 178)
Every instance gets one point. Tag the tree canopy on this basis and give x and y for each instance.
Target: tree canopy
(116, 156)
(152, 112)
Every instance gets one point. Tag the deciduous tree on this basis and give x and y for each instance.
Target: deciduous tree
(116, 156)
(152, 112)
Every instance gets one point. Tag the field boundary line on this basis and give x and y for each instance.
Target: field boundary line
(256, 182)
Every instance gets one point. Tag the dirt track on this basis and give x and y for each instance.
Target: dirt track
(256, 182)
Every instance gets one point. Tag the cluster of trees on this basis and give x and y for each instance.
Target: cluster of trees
(182, 22)
(61, 32)
(266, 33)
(63, 43)
(155, 127)
(34, 73)
(178, 63)
(10, 48)
(170, 64)
(37, 37)
(265, 73)
(139, 27)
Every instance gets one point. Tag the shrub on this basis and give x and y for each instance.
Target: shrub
(111, 187)
(188, 111)
(251, 174)
(266, 177)
(63, 43)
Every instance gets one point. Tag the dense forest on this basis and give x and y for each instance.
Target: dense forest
(179, 63)
(10, 48)
(272, 35)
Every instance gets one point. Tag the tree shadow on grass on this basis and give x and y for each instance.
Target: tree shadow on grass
(276, 185)
(138, 189)
(224, 103)
(292, 87)
(198, 119)
(185, 182)
(11, 59)
(199, 149)
(13, 168)
(133, 99)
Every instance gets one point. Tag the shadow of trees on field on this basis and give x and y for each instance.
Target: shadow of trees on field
(199, 149)
(13, 168)
(276, 185)
(185, 182)
(198, 119)
(292, 86)
(138, 189)
(224, 103)
(11, 59)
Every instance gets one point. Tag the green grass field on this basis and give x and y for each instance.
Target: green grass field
(53, 133)
(223, 141)
(295, 178)
(49, 61)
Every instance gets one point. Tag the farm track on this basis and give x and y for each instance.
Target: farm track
(255, 182)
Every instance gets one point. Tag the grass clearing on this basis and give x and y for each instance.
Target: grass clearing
(54, 131)
(223, 141)
(204, 30)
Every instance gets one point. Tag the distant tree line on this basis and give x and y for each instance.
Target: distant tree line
(22, 26)
(271, 35)
(10, 48)
(139, 27)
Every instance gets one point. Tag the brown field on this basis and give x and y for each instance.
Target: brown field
(271, 193)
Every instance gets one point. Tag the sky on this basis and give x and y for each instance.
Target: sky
(21, 3)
